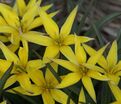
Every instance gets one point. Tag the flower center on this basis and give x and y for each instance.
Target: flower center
(19, 69)
(83, 70)
(59, 41)
(48, 86)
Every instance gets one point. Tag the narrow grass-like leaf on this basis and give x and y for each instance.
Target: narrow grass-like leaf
(104, 20)
(53, 72)
(119, 39)
(4, 78)
(74, 89)
(99, 35)
(26, 97)
(37, 54)
(82, 22)
(68, 101)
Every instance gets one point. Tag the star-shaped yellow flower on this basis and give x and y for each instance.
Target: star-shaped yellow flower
(110, 67)
(56, 41)
(23, 69)
(46, 86)
(14, 21)
(79, 71)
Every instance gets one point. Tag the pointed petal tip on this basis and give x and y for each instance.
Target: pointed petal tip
(75, 9)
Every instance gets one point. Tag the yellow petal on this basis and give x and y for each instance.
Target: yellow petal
(59, 96)
(69, 54)
(13, 47)
(10, 81)
(3, 38)
(24, 81)
(32, 3)
(113, 79)
(50, 54)
(46, 7)
(66, 64)
(49, 77)
(82, 98)
(102, 61)
(5, 6)
(70, 79)
(10, 16)
(35, 90)
(53, 13)
(118, 73)
(49, 25)
(97, 75)
(84, 39)
(112, 55)
(35, 23)
(94, 67)
(2, 21)
(38, 21)
(38, 38)
(7, 29)
(70, 39)
(33, 65)
(47, 98)
(66, 28)
(4, 65)
(21, 6)
(89, 87)
(117, 67)
(95, 58)
(55, 66)
(79, 52)
(116, 91)
(37, 77)
(9, 55)
(29, 17)
(14, 39)
(23, 53)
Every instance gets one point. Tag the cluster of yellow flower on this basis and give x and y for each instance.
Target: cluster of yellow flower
(16, 26)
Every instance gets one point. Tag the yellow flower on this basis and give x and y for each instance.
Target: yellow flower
(46, 86)
(23, 69)
(56, 41)
(14, 21)
(110, 67)
(80, 72)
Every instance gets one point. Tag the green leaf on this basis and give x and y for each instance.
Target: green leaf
(4, 79)
(99, 35)
(119, 39)
(26, 97)
(53, 72)
(104, 95)
(104, 20)
(82, 22)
